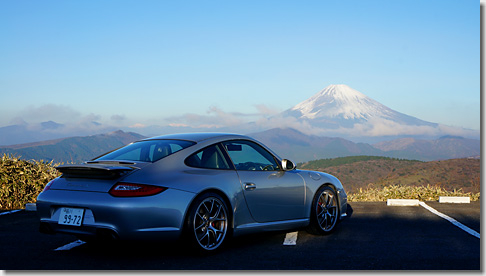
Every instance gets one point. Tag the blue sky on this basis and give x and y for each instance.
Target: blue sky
(127, 63)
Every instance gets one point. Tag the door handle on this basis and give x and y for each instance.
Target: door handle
(250, 186)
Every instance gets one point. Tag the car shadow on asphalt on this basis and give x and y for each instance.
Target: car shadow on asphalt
(180, 248)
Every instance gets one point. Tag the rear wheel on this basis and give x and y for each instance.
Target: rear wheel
(324, 212)
(207, 223)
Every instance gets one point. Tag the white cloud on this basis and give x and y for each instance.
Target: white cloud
(288, 122)
(18, 121)
(69, 122)
(382, 127)
(215, 118)
(372, 128)
(264, 110)
(48, 112)
(138, 125)
(76, 123)
(118, 118)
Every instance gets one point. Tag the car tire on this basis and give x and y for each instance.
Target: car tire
(207, 225)
(324, 212)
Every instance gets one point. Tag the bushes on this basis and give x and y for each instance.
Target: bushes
(21, 181)
(422, 193)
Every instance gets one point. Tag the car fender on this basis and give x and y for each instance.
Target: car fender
(314, 180)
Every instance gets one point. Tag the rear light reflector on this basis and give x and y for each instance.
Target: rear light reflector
(131, 190)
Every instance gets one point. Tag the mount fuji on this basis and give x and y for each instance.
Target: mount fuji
(340, 105)
(341, 111)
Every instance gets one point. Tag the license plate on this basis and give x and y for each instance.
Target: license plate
(71, 216)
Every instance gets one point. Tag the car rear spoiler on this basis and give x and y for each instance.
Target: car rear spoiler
(98, 171)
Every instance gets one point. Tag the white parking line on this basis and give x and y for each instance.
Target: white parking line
(70, 246)
(290, 238)
(451, 220)
(10, 212)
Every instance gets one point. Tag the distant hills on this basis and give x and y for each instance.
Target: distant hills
(446, 147)
(292, 144)
(73, 149)
(361, 172)
(335, 111)
(287, 143)
(23, 132)
(297, 146)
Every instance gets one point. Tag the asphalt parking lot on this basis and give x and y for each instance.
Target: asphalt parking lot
(373, 237)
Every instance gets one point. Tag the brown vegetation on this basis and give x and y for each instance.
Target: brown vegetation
(21, 181)
(454, 174)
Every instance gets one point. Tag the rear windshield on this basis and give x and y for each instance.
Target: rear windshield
(147, 151)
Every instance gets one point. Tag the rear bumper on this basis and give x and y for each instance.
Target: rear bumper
(158, 217)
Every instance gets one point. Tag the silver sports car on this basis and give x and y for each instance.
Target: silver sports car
(203, 187)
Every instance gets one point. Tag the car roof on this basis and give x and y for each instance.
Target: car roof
(198, 136)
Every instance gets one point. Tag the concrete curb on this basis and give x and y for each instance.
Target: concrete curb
(454, 199)
(402, 202)
(415, 202)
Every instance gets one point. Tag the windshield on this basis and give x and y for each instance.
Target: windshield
(147, 151)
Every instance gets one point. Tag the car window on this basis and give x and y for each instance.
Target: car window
(249, 156)
(209, 158)
(147, 151)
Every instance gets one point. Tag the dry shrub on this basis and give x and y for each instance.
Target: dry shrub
(21, 181)
(423, 193)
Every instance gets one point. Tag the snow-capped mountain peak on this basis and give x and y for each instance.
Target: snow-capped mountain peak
(341, 92)
(341, 101)
(341, 111)
(346, 110)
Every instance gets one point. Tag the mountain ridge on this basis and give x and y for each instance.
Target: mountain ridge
(287, 143)
(72, 149)
(299, 147)
(335, 111)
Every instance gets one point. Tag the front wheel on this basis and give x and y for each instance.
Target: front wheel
(207, 223)
(324, 212)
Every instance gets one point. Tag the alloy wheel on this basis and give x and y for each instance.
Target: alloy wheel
(210, 223)
(326, 210)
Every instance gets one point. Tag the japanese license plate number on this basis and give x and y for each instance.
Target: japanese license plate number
(71, 216)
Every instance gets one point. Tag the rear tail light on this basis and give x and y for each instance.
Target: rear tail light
(48, 186)
(130, 190)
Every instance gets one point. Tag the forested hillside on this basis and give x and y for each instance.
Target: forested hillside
(364, 171)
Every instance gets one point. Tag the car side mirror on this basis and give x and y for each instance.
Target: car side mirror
(288, 165)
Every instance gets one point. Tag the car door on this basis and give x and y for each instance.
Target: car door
(271, 194)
